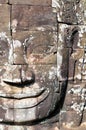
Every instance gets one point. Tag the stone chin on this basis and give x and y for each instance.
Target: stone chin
(30, 109)
(32, 102)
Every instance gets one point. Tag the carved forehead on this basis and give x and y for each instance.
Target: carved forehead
(28, 24)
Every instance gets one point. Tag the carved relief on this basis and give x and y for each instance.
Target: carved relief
(42, 65)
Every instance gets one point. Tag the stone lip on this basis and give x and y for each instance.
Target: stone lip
(23, 101)
(33, 92)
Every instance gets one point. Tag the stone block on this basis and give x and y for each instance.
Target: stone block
(6, 114)
(84, 116)
(74, 105)
(78, 65)
(74, 39)
(6, 103)
(26, 17)
(5, 18)
(83, 72)
(32, 2)
(22, 115)
(71, 71)
(70, 119)
(3, 1)
(23, 127)
(71, 12)
(5, 35)
(72, 99)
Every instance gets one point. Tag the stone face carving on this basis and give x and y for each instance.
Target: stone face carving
(29, 89)
(42, 64)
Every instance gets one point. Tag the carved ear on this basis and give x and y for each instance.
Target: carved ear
(56, 85)
(74, 37)
(71, 37)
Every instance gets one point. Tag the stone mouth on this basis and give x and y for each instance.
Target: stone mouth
(24, 102)
(30, 93)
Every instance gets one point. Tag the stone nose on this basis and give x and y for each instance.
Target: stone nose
(27, 75)
(19, 54)
(18, 75)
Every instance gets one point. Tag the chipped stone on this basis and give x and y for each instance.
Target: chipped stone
(73, 36)
(70, 12)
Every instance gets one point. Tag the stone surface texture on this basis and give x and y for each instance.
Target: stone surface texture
(32, 2)
(42, 65)
(3, 1)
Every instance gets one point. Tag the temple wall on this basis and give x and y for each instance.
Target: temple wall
(62, 25)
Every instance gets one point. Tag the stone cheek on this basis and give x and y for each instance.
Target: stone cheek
(40, 46)
(4, 51)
